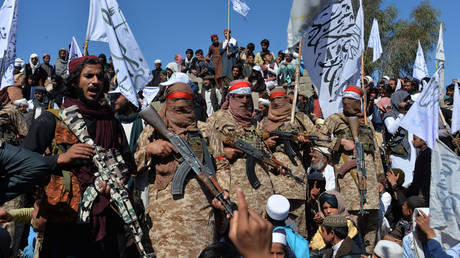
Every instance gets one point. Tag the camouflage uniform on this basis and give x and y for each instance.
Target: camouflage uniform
(287, 186)
(12, 124)
(337, 125)
(182, 227)
(225, 124)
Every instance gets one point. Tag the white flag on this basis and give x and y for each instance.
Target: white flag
(108, 24)
(456, 111)
(8, 28)
(420, 69)
(440, 56)
(329, 43)
(351, 73)
(74, 52)
(422, 117)
(240, 7)
(445, 195)
(302, 14)
(374, 41)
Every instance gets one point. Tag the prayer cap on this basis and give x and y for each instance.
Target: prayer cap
(323, 150)
(176, 78)
(277, 92)
(316, 176)
(157, 61)
(388, 249)
(48, 55)
(20, 102)
(264, 102)
(278, 207)
(278, 237)
(335, 221)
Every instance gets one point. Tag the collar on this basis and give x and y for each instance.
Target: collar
(336, 247)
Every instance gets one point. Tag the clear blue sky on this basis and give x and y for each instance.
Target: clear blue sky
(166, 28)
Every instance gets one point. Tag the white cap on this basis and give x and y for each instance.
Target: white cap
(386, 77)
(322, 150)
(157, 61)
(264, 102)
(177, 77)
(271, 85)
(388, 249)
(368, 78)
(20, 102)
(278, 207)
(257, 68)
(278, 237)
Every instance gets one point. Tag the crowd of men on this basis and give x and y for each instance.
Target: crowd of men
(85, 173)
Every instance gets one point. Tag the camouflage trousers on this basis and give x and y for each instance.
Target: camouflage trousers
(183, 227)
(367, 226)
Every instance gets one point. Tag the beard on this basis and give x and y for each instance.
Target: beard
(318, 166)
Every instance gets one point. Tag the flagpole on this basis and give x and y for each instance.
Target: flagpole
(297, 82)
(85, 48)
(364, 89)
(228, 24)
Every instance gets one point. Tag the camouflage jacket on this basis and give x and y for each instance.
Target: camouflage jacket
(226, 125)
(12, 124)
(337, 126)
(286, 185)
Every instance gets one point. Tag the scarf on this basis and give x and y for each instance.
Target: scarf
(279, 110)
(177, 114)
(241, 110)
(103, 130)
(342, 210)
(135, 131)
(32, 66)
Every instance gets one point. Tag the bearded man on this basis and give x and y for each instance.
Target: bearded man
(104, 236)
(343, 148)
(181, 226)
(234, 121)
(319, 163)
(279, 114)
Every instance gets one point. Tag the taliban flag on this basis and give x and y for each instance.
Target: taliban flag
(331, 49)
(108, 24)
(8, 28)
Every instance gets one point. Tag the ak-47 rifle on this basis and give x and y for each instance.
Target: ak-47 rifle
(253, 154)
(287, 138)
(187, 161)
(359, 175)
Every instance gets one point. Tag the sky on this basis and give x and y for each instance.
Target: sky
(165, 28)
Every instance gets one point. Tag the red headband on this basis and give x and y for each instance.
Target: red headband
(239, 85)
(355, 91)
(277, 94)
(179, 95)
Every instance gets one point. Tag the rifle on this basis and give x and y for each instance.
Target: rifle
(359, 175)
(287, 138)
(188, 161)
(111, 170)
(3, 65)
(253, 154)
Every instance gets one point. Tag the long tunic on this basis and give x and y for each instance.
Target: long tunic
(228, 61)
(225, 124)
(182, 227)
(216, 59)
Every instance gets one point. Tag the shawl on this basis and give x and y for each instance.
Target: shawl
(32, 66)
(342, 210)
(279, 110)
(135, 131)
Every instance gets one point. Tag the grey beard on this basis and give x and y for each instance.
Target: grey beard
(318, 166)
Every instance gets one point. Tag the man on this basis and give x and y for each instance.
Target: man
(228, 52)
(278, 119)
(264, 44)
(211, 95)
(39, 103)
(23, 106)
(104, 236)
(319, 163)
(156, 79)
(187, 63)
(236, 75)
(410, 86)
(343, 147)
(287, 69)
(34, 75)
(245, 53)
(262, 109)
(181, 225)
(420, 185)
(334, 231)
(49, 69)
(234, 121)
(13, 127)
(60, 65)
(103, 59)
(128, 115)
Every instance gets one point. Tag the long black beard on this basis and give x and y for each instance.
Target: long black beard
(88, 102)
